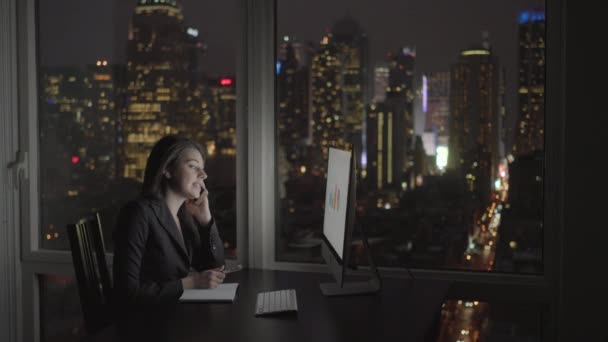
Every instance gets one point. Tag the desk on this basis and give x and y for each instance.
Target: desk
(403, 311)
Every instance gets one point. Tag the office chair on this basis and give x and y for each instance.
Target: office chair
(92, 274)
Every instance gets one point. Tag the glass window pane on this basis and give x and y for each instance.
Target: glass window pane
(114, 77)
(470, 320)
(443, 104)
(60, 311)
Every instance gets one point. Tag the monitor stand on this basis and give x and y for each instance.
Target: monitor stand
(373, 285)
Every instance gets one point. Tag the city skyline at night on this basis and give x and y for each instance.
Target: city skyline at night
(423, 25)
(445, 105)
(327, 96)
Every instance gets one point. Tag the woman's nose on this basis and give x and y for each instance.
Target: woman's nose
(202, 175)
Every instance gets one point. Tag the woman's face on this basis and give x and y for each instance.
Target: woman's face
(188, 175)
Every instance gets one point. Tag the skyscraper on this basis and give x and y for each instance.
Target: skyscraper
(101, 120)
(159, 76)
(390, 125)
(340, 88)
(400, 95)
(382, 151)
(327, 106)
(353, 55)
(474, 113)
(64, 98)
(78, 124)
(530, 130)
(302, 50)
(79, 119)
(293, 109)
(219, 109)
(438, 103)
(380, 82)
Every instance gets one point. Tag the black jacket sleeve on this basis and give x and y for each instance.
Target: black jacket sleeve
(130, 238)
(208, 251)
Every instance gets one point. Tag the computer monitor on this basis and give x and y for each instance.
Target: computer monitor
(339, 223)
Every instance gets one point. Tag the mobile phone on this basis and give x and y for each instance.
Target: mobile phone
(232, 268)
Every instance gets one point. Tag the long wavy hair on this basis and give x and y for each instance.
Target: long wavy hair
(164, 157)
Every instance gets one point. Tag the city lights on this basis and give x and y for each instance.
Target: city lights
(441, 154)
(475, 53)
(226, 82)
(424, 94)
(437, 157)
(192, 31)
(497, 184)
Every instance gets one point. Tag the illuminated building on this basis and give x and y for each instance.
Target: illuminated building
(161, 63)
(381, 134)
(64, 98)
(339, 89)
(78, 145)
(401, 76)
(302, 52)
(353, 55)
(380, 83)
(219, 117)
(101, 120)
(78, 118)
(293, 111)
(530, 130)
(400, 95)
(187, 120)
(474, 117)
(438, 103)
(327, 110)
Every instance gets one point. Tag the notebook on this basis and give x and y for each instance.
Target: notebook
(222, 293)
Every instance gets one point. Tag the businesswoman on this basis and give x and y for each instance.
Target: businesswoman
(165, 241)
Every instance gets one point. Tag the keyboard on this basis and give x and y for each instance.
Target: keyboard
(274, 302)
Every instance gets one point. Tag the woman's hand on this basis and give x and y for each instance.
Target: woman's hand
(208, 279)
(199, 208)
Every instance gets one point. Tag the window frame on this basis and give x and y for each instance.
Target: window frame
(36, 261)
(10, 267)
(256, 168)
(553, 199)
(498, 286)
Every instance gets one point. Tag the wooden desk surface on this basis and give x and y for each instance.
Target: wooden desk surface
(403, 311)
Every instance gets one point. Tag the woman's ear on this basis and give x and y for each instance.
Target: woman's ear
(167, 174)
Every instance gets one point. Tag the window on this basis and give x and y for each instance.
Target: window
(471, 320)
(62, 29)
(60, 310)
(444, 105)
(113, 78)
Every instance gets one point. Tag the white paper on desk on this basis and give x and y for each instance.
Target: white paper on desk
(222, 293)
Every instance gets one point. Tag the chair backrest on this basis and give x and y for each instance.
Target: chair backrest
(92, 274)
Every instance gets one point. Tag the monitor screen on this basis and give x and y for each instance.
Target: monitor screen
(336, 199)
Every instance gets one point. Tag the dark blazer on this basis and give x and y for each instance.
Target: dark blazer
(151, 258)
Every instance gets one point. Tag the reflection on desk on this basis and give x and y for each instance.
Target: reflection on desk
(404, 311)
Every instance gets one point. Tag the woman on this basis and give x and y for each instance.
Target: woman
(164, 242)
